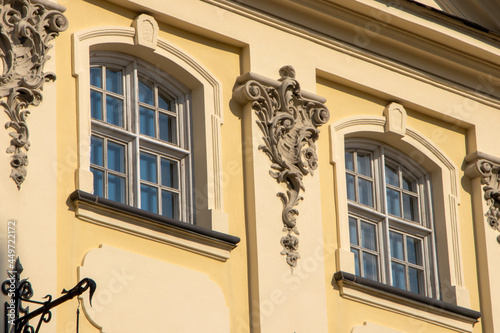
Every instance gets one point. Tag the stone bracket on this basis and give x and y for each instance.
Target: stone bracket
(26, 29)
(289, 121)
(487, 167)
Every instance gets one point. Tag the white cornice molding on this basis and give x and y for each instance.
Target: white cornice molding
(446, 39)
(459, 49)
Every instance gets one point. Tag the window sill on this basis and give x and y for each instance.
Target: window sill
(399, 301)
(135, 221)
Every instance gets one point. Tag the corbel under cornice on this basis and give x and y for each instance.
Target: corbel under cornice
(26, 29)
(289, 120)
(487, 167)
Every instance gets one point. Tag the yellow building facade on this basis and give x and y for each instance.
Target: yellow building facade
(253, 166)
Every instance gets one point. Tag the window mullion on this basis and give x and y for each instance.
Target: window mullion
(360, 253)
(386, 262)
(157, 111)
(104, 95)
(431, 245)
(105, 163)
(158, 185)
(406, 264)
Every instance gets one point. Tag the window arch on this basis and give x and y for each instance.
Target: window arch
(390, 217)
(206, 112)
(445, 198)
(140, 143)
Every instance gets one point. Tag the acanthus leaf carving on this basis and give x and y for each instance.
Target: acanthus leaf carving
(490, 179)
(488, 169)
(26, 29)
(289, 124)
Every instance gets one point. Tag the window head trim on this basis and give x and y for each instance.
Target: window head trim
(207, 108)
(451, 269)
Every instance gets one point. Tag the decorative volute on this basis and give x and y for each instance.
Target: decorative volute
(26, 29)
(487, 167)
(289, 123)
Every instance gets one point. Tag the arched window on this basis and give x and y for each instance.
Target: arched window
(390, 217)
(140, 143)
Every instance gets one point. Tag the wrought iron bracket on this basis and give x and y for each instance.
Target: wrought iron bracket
(20, 291)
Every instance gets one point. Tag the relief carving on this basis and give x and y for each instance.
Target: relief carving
(146, 31)
(289, 124)
(395, 115)
(488, 168)
(26, 29)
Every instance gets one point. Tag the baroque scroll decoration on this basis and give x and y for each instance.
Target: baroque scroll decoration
(26, 29)
(490, 173)
(290, 124)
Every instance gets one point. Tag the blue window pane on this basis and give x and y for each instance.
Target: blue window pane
(170, 204)
(116, 157)
(414, 248)
(409, 207)
(168, 128)
(96, 77)
(351, 195)
(98, 182)
(365, 192)
(391, 176)
(146, 94)
(353, 231)
(393, 202)
(349, 161)
(96, 150)
(147, 121)
(96, 105)
(169, 173)
(416, 280)
(408, 184)
(149, 198)
(368, 236)
(114, 81)
(356, 261)
(370, 266)
(164, 102)
(114, 111)
(148, 167)
(116, 188)
(398, 276)
(364, 164)
(396, 241)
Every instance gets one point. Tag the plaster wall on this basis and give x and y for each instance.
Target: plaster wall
(258, 287)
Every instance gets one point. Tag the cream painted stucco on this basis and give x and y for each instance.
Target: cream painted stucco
(362, 56)
(123, 276)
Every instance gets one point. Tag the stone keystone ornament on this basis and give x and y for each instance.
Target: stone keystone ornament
(26, 29)
(289, 123)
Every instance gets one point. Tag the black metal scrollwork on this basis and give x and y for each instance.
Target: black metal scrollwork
(17, 316)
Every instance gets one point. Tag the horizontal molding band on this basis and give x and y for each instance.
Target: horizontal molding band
(92, 199)
(426, 301)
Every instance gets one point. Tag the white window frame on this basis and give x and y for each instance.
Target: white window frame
(445, 196)
(206, 97)
(129, 134)
(384, 222)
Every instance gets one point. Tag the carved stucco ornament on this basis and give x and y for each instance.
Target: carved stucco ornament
(26, 29)
(488, 168)
(289, 122)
